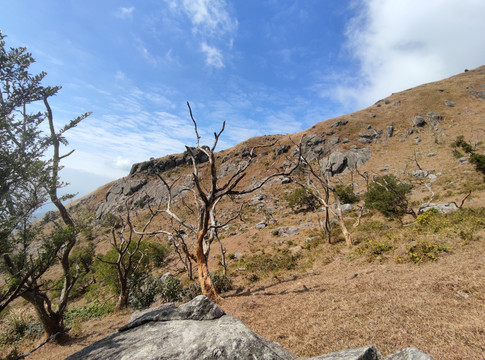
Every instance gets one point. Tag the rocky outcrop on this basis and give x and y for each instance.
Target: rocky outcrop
(338, 162)
(143, 193)
(200, 329)
(313, 147)
(170, 162)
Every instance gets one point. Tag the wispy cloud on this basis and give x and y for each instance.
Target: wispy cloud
(208, 17)
(211, 21)
(124, 13)
(213, 55)
(399, 44)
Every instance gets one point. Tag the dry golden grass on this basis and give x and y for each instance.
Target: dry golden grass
(437, 306)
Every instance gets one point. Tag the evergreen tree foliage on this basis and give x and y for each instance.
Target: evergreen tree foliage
(388, 196)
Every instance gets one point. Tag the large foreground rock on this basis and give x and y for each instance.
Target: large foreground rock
(199, 329)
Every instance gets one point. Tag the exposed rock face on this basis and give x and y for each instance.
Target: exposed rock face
(200, 329)
(338, 162)
(160, 165)
(313, 147)
(144, 193)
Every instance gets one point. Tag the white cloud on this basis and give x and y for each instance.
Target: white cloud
(124, 13)
(403, 43)
(208, 17)
(213, 56)
(122, 163)
(120, 75)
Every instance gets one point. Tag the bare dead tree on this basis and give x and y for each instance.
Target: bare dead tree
(364, 176)
(318, 184)
(127, 245)
(207, 192)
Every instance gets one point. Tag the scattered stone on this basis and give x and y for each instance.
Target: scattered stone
(363, 353)
(410, 131)
(258, 198)
(417, 140)
(419, 121)
(282, 149)
(387, 101)
(372, 115)
(434, 118)
(345, 141)
(432, 178)
(165, 276)
(309, 239)
(397, 103)
(420, 173)
(481, 94)
(432, 154)
(450, 103)
(237, 255)
(260, 225)
(286, 180)
(330, 132)
(390, 130)
(334, 140)
(346, 207)
(463, 160)
(339, 123)
(226, 169)
(442, 208)
(287, 230)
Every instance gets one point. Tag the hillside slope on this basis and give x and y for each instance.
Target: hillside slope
(324, 297)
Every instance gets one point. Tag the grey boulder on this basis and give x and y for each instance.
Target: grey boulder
(198, 329)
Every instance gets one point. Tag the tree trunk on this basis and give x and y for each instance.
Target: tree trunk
(205, 280)
(51, 321)
(123, 296)
(345, 232)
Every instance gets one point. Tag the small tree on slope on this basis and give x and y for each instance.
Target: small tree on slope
(207, 192)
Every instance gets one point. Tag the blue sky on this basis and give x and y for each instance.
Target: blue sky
(265, 67)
